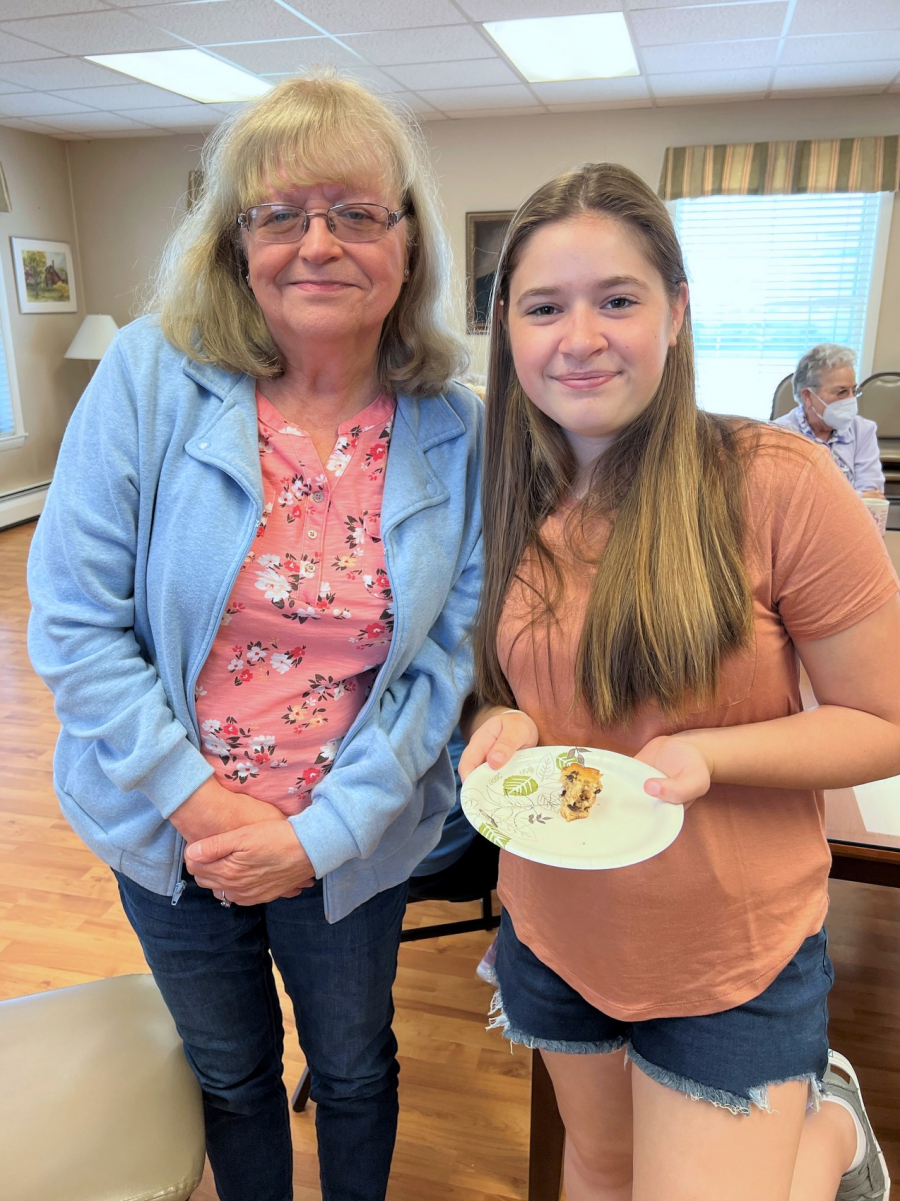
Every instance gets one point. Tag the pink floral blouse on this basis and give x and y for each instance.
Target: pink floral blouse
(310, 617)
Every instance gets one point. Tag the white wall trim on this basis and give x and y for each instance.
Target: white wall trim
(23, 505)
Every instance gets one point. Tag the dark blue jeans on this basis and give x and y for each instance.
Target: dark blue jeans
(214, 969)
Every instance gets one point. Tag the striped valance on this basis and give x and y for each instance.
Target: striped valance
(782, 168)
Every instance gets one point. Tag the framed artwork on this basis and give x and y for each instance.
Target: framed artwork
(45, 276)
(5, 205)
(484, 237)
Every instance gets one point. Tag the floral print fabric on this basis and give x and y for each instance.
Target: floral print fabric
(310, 617)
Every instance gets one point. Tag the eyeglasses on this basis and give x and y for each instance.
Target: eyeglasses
(847, 393)
(347, 222)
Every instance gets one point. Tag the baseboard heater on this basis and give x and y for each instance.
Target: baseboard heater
(23, 505)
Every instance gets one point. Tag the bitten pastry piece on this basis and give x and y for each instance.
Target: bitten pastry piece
(581, 787)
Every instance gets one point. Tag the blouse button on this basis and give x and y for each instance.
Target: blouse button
(311, 534)
(318, 495)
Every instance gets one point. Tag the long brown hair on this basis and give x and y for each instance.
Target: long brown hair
(670, 598)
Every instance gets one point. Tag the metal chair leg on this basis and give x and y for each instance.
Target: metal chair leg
(301, 1092)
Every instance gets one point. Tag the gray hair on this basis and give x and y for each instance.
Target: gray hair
(827, 355)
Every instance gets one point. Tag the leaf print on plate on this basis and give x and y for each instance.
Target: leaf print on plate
(519, 785)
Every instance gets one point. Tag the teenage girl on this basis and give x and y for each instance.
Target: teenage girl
(653, 573)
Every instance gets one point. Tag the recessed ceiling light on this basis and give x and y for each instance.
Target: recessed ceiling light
(189, 73)
(594, 46)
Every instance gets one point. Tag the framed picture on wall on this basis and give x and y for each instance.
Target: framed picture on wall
(484, 237)
(45, 276)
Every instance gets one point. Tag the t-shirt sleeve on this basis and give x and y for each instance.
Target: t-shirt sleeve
(830, 568)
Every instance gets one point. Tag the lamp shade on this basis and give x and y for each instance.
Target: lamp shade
(93, 338)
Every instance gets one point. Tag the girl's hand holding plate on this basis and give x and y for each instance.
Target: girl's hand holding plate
(687, 768)
(497, 739)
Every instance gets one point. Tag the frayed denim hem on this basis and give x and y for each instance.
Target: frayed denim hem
(758, 1096)
(500, 1021)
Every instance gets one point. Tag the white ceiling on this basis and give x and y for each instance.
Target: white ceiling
(432, 55)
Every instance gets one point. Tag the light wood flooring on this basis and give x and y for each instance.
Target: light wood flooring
(464, 1097)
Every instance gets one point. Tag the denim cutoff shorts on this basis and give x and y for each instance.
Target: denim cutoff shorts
(728, 1058)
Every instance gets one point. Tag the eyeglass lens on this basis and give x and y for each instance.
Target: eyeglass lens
(349, 223)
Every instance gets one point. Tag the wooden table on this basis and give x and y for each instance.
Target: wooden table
(858, 853)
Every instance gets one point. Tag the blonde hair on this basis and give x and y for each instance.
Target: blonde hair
(307, 130)
(670, 598)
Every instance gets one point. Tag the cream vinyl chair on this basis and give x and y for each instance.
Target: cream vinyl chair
(783, 400)
(98, 1101)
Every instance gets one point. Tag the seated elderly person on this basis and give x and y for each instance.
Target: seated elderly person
(825, 390)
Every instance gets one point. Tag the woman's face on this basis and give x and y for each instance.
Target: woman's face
(334, 292)
(590, 324)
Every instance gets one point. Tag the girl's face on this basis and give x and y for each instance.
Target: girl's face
(590, 323)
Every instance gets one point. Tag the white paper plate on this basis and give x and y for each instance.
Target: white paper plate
(517, 808)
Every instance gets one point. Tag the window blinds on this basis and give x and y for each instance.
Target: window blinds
(771, 276)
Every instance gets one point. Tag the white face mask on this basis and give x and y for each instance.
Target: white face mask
(839, 414)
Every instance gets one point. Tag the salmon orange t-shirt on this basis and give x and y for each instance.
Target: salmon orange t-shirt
(709, 923)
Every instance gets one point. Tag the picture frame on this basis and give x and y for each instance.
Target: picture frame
(195, 187)
(484, 237)
(45, 276)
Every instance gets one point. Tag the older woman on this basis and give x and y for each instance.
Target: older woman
(825, 390)
(252, 584)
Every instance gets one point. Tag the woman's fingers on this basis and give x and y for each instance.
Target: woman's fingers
(497, 740)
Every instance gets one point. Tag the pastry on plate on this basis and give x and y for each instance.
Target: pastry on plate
(581, 787)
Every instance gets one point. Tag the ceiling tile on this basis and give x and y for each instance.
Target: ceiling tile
(665, 26)
(845, 16)
(583, 91)
(279, 58)
(92, 33)
(835, 75)
(710, 83)
(681, 101)
(49, 73)
(351, 16)
(454, 99)
(469, 114)
(600, 106)
(711, 56)
(228, 21)
(511, 10)
(15, 50)
(11, 9)
(636, 4)
(441, 43)
(133, 95)
(180, 116)
(840, 48)
(373, 79)
(413, 102)
(38, 104)
(91, 122)
(482, 72)
(46, 131)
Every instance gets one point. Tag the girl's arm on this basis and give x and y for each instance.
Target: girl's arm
(852, 737)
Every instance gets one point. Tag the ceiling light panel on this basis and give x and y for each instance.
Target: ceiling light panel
(188, 73)
(546, 49)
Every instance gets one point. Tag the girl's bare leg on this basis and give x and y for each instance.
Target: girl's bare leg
(594, 1097)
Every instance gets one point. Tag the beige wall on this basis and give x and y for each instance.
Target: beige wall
(494, 164)
(37, 175)
(128, 192)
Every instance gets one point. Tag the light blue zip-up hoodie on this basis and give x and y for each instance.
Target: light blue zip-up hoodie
(155, 502)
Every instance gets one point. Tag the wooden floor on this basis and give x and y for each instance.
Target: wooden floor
(464, 1097)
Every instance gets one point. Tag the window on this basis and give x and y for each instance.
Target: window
(770, 277)
(11, 431)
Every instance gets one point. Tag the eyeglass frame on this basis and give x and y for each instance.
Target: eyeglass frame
(393, 219)
(855, 393)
